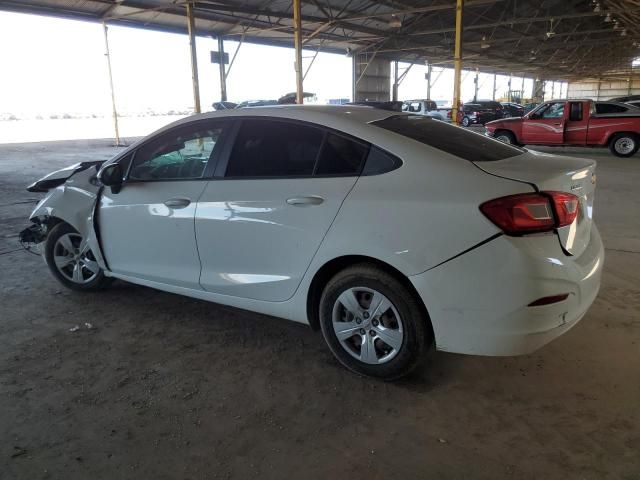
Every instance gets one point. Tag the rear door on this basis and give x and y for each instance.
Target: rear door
(261, 220)
(575, 132)
(546, 125)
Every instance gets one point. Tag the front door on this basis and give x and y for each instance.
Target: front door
(545, 126)
(259, 226)
(147, 229)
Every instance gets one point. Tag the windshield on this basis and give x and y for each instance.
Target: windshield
(448, 138)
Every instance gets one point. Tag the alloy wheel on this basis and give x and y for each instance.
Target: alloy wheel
(74, 259)
(367, 325)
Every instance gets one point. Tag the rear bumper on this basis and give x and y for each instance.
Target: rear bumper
(478, 302)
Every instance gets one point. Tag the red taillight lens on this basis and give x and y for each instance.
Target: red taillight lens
(531, 212)
(566, 206)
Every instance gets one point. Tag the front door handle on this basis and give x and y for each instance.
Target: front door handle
(177, 202)
(305, 201)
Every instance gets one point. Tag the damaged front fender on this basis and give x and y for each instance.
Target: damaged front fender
(73, 202)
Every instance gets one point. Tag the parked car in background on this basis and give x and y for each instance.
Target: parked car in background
(480, 112)
(635, 103)
(572, 122)
(342, 218)
(626, 99)
(614, 107)
(512, 109)
(428, 108)
(529, 106)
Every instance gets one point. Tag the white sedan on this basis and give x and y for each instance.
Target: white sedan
(387, 231)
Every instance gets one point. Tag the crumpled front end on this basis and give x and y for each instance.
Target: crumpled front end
(73, 202)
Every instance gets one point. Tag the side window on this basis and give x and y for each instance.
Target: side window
(609, 108)
(272, 148)
(181, 154)
(575, 115)
(414, 107)
(554, 110)
(379, 161)
(341, 156)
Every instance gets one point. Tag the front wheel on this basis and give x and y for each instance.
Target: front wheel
(506, 137)
(71, 261)
(466, 122)
(373, 325)
(624, 144)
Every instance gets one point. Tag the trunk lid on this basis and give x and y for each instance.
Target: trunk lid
(555, 173)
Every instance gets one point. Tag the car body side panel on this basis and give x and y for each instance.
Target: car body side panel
(601, 128)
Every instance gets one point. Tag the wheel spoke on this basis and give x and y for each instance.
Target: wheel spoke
(379, 305)
(62, 261)
(368, 350)
(350, 302)
(390, 336)
(66, 243)
(77, 273)
(84, 246)
(91, 265)
(345, 330)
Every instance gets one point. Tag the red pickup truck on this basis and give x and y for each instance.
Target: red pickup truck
(571, 123)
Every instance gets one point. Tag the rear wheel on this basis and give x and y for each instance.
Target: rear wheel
(71, 261)
(373, 325)
(624, 144)
(506, 136)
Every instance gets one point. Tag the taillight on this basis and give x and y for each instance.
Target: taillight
(476, 113)
(532, 212)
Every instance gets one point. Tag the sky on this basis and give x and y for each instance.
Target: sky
(58, 66)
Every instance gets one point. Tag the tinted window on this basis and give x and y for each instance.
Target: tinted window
(271, 148)
(379, 161)
(610, 108)
(178, 155)
(456, 141)
(341, 156)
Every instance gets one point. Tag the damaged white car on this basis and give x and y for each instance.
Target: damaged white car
(389, 232)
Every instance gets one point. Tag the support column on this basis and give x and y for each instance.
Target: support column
(297, 22)
(113, 94)
(429, 71)
(457, 61)
(394, 91)
(475, 82)
(553, 87)
(509, 94)
(191, 28)
(495, 77)
(522, 92)
(223, 73)
(538, 90)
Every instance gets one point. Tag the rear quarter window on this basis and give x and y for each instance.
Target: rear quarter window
(448, 138)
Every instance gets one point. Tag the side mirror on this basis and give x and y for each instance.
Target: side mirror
(112, 176)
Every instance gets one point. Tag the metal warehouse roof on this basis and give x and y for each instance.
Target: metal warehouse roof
(559, 39)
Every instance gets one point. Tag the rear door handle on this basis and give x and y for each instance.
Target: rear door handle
(177, 202)
(305, 201)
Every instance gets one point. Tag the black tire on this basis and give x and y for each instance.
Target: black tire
(465, 122)
(95, 281)
(624, 144)
(507, 137)
(416, 335)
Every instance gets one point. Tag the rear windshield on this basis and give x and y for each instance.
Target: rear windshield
(454, 140)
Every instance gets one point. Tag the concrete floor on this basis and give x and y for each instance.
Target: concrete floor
(163, 386)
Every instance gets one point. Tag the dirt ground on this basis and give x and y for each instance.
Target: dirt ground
(153, 385)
